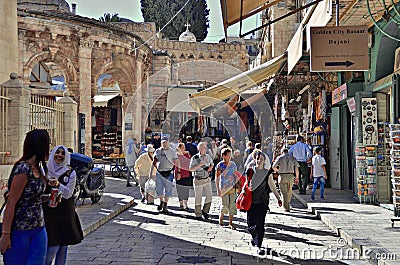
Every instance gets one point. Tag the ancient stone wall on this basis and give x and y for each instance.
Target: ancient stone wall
(8, 39)
(282, 31)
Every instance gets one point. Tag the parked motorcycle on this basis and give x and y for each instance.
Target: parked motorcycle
(90, 181)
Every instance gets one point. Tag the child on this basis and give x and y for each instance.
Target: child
(225, 180)
(318, 172)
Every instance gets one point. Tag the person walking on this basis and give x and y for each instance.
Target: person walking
(24, 236)
(225, 181)
(183, 180)
(286, 165)
(142, 169)
(201, 164)
(62, 222)
(130, 159)
(166, 158)
(302, 153)
(318, 172)
(190, 147)
(261, 184)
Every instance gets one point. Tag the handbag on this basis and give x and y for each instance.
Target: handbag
(150, 187)
(245, 197)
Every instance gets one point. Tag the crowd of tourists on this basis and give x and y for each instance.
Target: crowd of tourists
(196, 164)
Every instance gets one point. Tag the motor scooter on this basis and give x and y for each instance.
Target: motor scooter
(90, 181)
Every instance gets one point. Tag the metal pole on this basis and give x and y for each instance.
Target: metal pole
(337, 12)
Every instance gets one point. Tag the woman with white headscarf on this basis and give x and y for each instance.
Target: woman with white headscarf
(62, 222)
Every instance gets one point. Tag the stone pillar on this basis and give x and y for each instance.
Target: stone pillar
(70, 133)
(18, 116)
(138, 100)
(9, 39)
(85, 98)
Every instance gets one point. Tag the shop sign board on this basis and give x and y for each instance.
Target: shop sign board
(339, 48)
(351, 103)
(339, 94)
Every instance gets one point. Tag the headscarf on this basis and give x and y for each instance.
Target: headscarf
(55, 169)
(130, 144)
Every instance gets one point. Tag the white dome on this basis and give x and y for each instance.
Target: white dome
(187, 36)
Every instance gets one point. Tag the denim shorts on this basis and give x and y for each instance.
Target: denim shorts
(164, 184)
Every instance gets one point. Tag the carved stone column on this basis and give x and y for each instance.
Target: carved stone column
(85, 97)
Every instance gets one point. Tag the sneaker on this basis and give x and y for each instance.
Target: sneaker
(206, 215)
(128, 184)
(161, 206)
(199, 218)
(143, 199)
(322, 197)
(187, 209)
(312, 197)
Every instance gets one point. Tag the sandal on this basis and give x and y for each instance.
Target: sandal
(232, 227)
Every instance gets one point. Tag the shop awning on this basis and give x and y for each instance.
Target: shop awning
(237, 84)
(317, 15)
(178, 99)
(100, 100)
(233, 10)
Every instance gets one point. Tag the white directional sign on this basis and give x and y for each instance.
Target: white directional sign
(339, 49)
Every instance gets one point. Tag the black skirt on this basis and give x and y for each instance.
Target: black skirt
(62, 224)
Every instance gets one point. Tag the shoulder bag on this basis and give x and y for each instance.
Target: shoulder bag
(245, 197)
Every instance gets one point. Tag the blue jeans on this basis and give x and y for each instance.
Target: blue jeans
(321, 181)
(58, 252)
(164, 184)
(27, 247)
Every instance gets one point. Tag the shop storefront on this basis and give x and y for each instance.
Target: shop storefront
(106, 118)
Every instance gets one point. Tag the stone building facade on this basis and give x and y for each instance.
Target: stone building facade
(81, 50)
(8, 39)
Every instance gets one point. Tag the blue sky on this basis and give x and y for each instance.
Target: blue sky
(131, 9)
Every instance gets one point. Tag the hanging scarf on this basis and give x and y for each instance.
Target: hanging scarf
(129, 144)
(55, 169)
(257, 179)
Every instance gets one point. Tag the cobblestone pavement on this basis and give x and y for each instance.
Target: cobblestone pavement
(141, 235)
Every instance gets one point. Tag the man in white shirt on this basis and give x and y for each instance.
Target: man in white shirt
(318, 172)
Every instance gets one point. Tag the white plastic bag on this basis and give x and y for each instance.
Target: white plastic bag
(150, 187)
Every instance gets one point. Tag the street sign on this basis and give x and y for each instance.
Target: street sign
(339, 49)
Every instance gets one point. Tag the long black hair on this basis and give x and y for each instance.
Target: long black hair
(36, 143)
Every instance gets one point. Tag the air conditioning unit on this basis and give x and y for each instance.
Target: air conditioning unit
(397, 60)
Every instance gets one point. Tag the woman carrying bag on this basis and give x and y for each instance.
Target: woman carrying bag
(62, 221)
(261, 184)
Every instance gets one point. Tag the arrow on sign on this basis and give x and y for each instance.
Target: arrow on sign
(346, 63)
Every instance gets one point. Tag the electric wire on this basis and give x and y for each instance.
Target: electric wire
(160, 30)
(387, 11)
(377, 26)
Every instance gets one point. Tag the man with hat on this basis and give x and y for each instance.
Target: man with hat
(166, 158)
(142, 168)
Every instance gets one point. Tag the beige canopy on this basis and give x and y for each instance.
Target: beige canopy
(236, 84)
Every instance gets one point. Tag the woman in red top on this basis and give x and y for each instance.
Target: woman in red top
(182, 176)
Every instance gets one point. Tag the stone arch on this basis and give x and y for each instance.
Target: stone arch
(65, 63)
(110, 66)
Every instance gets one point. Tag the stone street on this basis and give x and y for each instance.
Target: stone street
(141, 235)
